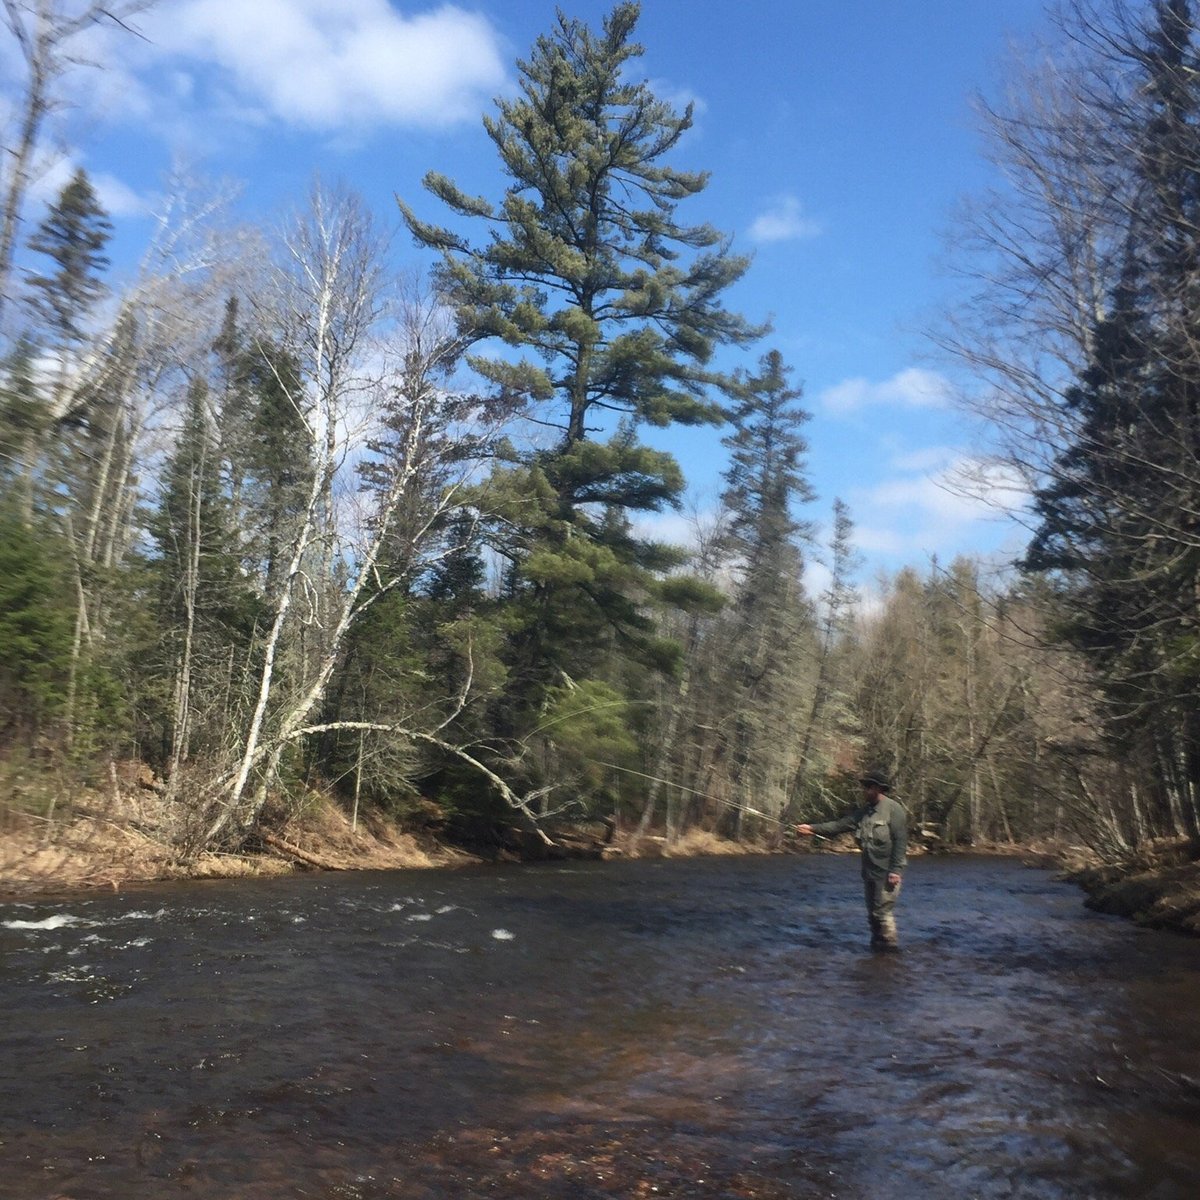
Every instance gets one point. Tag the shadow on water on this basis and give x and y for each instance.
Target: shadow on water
(695, 1029)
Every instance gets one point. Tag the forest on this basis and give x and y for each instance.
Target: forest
(279, 521)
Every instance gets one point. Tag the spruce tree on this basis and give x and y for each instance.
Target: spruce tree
(769, 616)
(1117, 519)
(35, 628)
(828, 706)
(597, 307)
(73, 235)
(23, 417)
(261, 441)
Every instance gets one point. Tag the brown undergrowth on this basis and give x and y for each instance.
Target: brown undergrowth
(1157, 886)
(128, 834)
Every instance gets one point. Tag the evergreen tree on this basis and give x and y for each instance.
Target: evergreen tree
(35, 628)
(68, 436)
(204, 607)
(769, 617)
(23, 418)
(615, 309)
(765, 478)
(73, 235)
(262, 442)
(829, 707)
(456, 580)
(1117, 524)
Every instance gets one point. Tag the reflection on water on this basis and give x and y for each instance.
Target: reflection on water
(713, 1028)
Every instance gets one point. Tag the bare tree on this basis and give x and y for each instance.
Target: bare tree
(358, 396)
(46, 33)
(1082, 327)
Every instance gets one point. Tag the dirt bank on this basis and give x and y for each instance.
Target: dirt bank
(1158, 887)
(132, 836)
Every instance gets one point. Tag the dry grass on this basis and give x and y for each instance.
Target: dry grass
(323, 831)
(129, 834)
(696, 843)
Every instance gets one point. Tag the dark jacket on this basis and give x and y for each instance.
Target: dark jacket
(881, 831)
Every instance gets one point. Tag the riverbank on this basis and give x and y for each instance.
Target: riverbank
(128, 839)
(1158, 887)
(132, 837)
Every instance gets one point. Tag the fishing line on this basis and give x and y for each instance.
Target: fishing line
(703, 795)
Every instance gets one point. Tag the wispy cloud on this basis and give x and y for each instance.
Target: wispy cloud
(325, 65)
(783, 221)
(927, 513)
(116, 198)
(913, 387)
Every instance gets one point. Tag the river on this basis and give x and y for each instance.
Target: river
(707, 1028)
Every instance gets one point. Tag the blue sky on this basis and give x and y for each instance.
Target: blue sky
(839, 137)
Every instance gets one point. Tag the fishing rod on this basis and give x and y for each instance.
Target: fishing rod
(705, 796)
(754, 812)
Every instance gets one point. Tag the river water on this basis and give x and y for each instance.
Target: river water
(708, 1028)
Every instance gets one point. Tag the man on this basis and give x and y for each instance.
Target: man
(881, 827)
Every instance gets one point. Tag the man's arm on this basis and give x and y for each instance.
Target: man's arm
(825, 828)
(898, 824)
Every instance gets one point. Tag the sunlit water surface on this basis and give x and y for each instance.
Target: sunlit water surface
(711, 1028)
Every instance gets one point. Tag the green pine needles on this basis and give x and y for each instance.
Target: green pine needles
(595, 310)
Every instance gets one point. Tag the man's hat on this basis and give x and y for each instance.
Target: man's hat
(876, 779)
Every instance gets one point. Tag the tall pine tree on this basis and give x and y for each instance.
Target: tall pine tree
(73, 235)
(598, 308)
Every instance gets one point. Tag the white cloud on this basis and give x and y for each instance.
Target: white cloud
(783, 221)
(116, 198)
(332, 64)
(936, 513)
(679, 97)
(913, 387)
(673, 528)
(817, 577)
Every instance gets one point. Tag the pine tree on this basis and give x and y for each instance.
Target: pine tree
(73, 235)
(615, 309)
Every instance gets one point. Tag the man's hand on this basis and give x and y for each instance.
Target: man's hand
(806, 830)
(893, 879)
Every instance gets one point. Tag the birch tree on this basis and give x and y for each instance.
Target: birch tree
(353, 397)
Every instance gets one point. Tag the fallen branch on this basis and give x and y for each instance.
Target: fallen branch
(521, 804)
(295, 852)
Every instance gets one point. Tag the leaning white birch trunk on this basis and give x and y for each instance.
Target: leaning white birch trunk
(272, 747)
(328, 285)
(181, 725)
(251, 752)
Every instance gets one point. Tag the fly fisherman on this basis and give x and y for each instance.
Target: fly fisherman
(881, 828)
